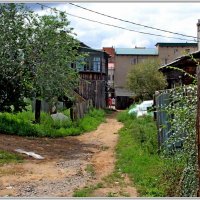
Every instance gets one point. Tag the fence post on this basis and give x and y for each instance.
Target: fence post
(198, 127)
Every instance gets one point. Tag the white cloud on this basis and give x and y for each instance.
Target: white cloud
(176, 17)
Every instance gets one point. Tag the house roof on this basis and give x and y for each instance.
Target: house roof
(172, 44)
(195, 54)
(87, 48)
(122, 92)
(136, 51)
(109, 50)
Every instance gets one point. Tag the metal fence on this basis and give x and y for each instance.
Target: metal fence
(161, 100)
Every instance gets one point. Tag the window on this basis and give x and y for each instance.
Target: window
(80, 64)
(109, 77)
(97, 64)
(133, 61)
(103, 63)
(113, 77)
(175, 51)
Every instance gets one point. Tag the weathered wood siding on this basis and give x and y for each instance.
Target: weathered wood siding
(80, 109)
(93, 86)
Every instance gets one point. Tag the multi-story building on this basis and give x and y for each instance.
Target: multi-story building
(93, 71)
(125, 59)
(111, 70)
(167, 52)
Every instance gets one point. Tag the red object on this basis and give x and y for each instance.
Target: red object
(109, 102)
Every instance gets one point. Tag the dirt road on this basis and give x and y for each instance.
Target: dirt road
(69, 163)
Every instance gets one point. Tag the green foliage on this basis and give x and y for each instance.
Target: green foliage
(36, 56)
(53, 50)
(144, 78)
(182, 110)
(86, 191)
(92, 120)
(22, 124)
(137, 155)
(6, 157)
(15, 80)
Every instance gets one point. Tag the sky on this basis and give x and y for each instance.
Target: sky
(175, 17)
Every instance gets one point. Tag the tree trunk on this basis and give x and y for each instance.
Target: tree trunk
(37, 111)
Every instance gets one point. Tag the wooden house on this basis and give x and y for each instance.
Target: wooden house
(93, 71)
(177, 71)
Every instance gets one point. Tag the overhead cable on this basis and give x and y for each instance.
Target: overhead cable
(111, 25)
(119, 19)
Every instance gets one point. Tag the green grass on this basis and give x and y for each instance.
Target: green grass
(22, 124)
(137, 155)
(6, 157)
(87, 191)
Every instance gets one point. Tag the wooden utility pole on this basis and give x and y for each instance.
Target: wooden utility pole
(198, 127)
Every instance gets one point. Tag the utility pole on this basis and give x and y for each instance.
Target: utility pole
(198, 110)
(198, 127)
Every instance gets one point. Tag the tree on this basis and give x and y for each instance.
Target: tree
(144, 79)
(53, 50)
(14, 77)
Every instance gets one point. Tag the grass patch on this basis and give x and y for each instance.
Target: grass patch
(90, 169)
(137, 156)
(6, 157)
(87, 191)
(22, 124)
(115, 177)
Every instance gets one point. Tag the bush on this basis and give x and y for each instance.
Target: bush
(22, 124)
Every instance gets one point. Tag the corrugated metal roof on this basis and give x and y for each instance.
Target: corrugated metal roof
(136, 51)
(122, 92)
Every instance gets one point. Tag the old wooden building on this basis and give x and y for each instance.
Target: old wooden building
(93, 70)
(178, 72)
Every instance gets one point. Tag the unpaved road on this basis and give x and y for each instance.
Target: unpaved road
(70, 163)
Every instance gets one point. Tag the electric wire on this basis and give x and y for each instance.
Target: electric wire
(111, 25)
(123, 20)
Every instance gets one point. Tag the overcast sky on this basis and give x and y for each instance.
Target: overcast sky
(176, 17)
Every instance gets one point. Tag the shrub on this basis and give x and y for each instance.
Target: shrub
(22, 124)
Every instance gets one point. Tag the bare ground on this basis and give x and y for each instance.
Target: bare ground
(70, 163)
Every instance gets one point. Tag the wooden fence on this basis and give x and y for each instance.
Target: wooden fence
(94, 90)
(80, 109)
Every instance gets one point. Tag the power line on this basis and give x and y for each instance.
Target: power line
(113, 25)
(158, 29)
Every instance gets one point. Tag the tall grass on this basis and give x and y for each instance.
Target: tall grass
(137, 156)
(22, 124)
(6, 157)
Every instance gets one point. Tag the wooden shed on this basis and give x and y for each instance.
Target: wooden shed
(185, 65)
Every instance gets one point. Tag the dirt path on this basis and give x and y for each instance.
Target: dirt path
(70, 163)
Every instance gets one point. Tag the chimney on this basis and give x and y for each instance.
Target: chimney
(198, 34)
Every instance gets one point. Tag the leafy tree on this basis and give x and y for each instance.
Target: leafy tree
(53, 50)
(14, 77)
(144, 78)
